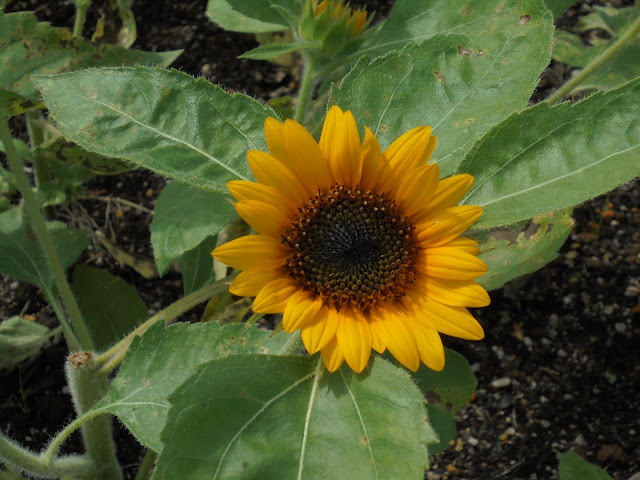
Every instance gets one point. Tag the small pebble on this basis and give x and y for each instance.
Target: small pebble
(620, 327)
(545, 423)
(501, 382)
(473, 441)
(608, 309)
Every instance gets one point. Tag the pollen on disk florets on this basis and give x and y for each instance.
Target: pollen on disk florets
(351, 248)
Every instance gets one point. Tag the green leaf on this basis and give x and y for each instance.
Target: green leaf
(196, 265)
(163, 358)
(22, 256)
(165, 121)
(273, 50)
(453, 386)
(21, 147)
(30, 48)
(442, 421)
(549, 158)
(623, 67)
(49, 194)
(184, 217)
(257, 416)
(70, 153)
(511, 253)
(110, 306)
(249, 16)
(22, 339)
(558, 7)
(574, 467)
(451, 82)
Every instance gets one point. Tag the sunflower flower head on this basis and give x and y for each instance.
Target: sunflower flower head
(359, 249)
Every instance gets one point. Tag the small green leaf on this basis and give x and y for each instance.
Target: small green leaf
(21, 147)
(49, 194)
(110, 306)
(196, 265)
(442, 421)
(273, 50)
(70, 153)
(451, 82)
(249, 16)
(30, 48)
(184, 217)
(262, 416)
(454, 385)
(22, 256)
(511, 253)
(163, 358)
(22, 339)
(166, 121)
(574, 467)
(565, 156)
(558, 7)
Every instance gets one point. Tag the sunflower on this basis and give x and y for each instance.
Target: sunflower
(358, 248)
(357, 19)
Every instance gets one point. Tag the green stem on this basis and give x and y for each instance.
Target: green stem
(596, 63)
(49, 454)
(36, 135)
(26, 461)
(114, 356)
(306, 90)
(39, 227)
(146, 465)
(81, 17)
(69, 335)
(87, 388)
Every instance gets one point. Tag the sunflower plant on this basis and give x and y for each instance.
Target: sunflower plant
(413, 177)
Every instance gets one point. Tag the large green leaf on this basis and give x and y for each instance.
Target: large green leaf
(21, 255)
(22, 339)
(163, 358)
(454, 83)
(623, 67)
(549, 158)
(184, 217)
(574, 467)
(28, 48)
(166, 121)
(558, 7)
(249, 16)
(257, 416)
(511, 253)
(71, 154)
(110, 306)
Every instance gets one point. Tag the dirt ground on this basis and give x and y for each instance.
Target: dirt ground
(558, 370)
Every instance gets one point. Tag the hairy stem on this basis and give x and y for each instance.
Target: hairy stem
(596, 63)
(40, 229)
(81, 17)
(87, 388)
(147, 465)
(37, 137)
(306, 90)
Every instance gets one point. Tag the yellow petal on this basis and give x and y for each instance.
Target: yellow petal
(372, 161)
(450, 191)
(354, 338)
(248, 284)
(252, 252)
(274, 133)
(394, 333)
(376, 342)
(274, 296)
(319, 331)
(458, 293)
(301, 309)
(450, 263)
(340, 143)
(404, 155)
(446, 225)
(453, 321)
(429, 346)
(465, 244)
(245, 190)
(417, 189)
(305, 158)
(332, 355)
(263, 218)
(270, 171)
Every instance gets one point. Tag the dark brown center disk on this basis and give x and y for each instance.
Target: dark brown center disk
(351, 248)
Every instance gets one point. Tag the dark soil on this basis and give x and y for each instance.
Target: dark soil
(559, 369)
